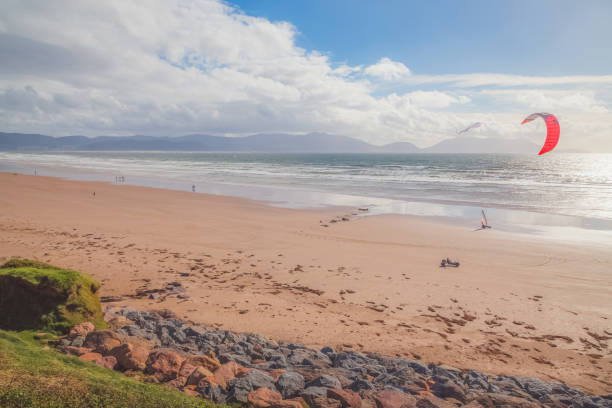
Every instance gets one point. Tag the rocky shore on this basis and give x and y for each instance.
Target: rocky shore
(230, 367)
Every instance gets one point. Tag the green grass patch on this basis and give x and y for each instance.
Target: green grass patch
(38, 296)
(31, 376)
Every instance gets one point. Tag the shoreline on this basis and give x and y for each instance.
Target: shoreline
(373, 283)
(577, 229)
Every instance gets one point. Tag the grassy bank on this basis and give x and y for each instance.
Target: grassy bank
(38, 296)
(32, 376)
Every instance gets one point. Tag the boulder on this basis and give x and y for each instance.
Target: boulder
(164, 365)
(259, 379)
(197, 375)
(322, 402)
(430, 401)
(131, 357)
(394, 399)
(310, 393)
(263, 397)
(81, 329)
(448, 390)
(102, 341)
(349, 399)
(109, 362)
(326, 381)
(227, 372)
(290, 384)
(207, 362)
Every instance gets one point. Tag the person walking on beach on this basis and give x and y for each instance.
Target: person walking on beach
(193, 188)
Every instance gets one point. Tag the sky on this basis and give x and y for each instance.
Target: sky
(383, 72)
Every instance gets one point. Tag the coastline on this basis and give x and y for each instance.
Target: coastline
(371, 283)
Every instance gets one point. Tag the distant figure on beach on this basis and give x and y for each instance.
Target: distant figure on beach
(94, 193)
(193, 188)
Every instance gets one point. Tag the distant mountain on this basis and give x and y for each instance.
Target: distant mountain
(273, 143)
(478, 145)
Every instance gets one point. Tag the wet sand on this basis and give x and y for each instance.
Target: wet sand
(516, 305)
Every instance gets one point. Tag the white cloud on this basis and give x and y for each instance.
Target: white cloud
(388, 70)
(171, 67)
(546, 99)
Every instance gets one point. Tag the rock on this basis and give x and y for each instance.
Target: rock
(327, 350)
(81, 329)
(75, 351)
(227, 372)
(197, 375)
(310, 393)
(448, 390)
(326, 381)
(322, 402)
(109, 362)
(207, 362)
(91, 356)
(430, 401)
(131, 357)
(290, 384)
(292, 403)
(239, 390)
(359, 385)
(78, 341)
(213, 393)
(102, 341)
(259, 379)
(492, 400)
(263, 397)
(394, 399)
(349, 399)
(164, 365)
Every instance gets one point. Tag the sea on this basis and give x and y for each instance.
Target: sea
(565, 196)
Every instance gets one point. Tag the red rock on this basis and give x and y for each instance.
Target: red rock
(109, 362)
(186, 369)
(131, 357)
(289, 404)
(394, 399)
(431, 401)
(102, 341)
(349, 399)
(197, 375)
(321, 402)
(164, 365)
(263, 398)
(207, 362)
(81, 329)
(75, 351)
(91, 356)
(227, 372)
(193, 393)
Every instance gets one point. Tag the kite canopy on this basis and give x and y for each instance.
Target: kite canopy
(472, 126)
(552, 130)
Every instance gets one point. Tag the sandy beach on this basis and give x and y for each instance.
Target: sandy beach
(516, 305)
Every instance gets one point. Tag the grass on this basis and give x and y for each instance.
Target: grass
(32, 376)
(63, 298)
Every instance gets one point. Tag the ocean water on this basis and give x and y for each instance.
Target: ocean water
(520, 191)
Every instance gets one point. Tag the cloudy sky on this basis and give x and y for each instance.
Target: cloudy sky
(382, 72)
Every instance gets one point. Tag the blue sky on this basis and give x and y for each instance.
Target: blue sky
(379, 71)
(454, 37)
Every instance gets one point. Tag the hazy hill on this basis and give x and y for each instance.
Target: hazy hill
(273, 142)
(478, 145)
